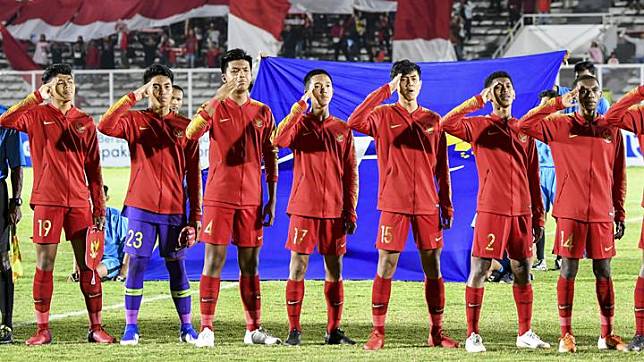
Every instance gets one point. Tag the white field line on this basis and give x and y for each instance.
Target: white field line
(83, 312)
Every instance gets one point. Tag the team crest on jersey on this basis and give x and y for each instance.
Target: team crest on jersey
(80, 128)
(178, 133)
(523, 137)
(429, 130)
(339, 137)
(607, 136)
(258, 123)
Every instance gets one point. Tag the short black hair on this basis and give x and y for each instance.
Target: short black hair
(548, 93)
(495, 75)
(56, 69)
(584, 77)
(313, 73)
(174, 86)
(403, 67)
(235, 54)
(585, 65)
(157, 69)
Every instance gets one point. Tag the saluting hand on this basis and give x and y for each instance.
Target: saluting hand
(308, 94)
(144, 91)
(488, 93)
(48, 89)
(225, 90)
(570, 99)
(393, 85)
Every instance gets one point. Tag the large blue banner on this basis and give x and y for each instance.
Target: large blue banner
(445, 85)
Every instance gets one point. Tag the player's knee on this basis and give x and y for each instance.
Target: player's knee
(298, 269)
(601, 268)
(569, 269)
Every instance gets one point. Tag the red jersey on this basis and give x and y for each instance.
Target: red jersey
(589, 163)
(412, 156)
(160, 157)
(240, 137)
(325, 173)
(506, 160)
(64, 154)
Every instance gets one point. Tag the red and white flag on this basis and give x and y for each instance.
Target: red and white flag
(256, 25)
(16, 53)
(421, 33)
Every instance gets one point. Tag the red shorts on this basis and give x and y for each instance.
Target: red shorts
(49, 221)
(574, 238)
(221, 225)
(304, 233)
(494, 234)
(394, 229)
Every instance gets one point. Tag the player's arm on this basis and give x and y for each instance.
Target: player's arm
(116, 121)
(193, 179)
(350, 179)
(95, 178)
(17, 117)
(200, 122)
(269, 154)
(543, 122)
(456, 122)
(627, 113)
(619, 185)
(443, 180)
(364, 117)
(286, 130)
(16, 161)
(534, 184)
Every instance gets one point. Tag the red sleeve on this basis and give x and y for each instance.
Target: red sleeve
(627, 113)
(114, 122)
(457, 124)
(350, 180)
(269, 152)
(17, 116)
(536, 201)
(193, 179)
(287, 129)
(364, 117)
(619, 178)
(200, 123)
(443, 178)
(93, 173)
(543, 123)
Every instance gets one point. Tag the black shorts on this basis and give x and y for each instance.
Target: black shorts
(4, 217)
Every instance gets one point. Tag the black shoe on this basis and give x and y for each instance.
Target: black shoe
(637, 344)
(6, 335)
(294, 338)
(337, 337)
(495, 277)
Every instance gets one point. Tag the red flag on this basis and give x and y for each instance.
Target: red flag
(17, 56)
(256, 25)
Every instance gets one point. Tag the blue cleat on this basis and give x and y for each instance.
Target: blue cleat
(187, 334)
(130, 335)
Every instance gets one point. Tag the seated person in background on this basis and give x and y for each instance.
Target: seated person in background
(114, 264)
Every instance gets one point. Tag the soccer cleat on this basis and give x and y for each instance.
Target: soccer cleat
(130, 335)
(42, 336)
(6, 335)
(294, 338)
(376, 341)
(438, 339)
(637, 344)
(531, 340)
(206, 338)
(99, 335)
(187, 334)
(540, 265)
(260, 336)
(567, 344)
(611, 342)
(474, 344)
(337, 336)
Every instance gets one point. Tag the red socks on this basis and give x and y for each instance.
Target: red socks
(523, 300)
(43, 288)
(93, 293)
(380, 294)
(473, 303)
(565, 296)
(251, 298)
(334, 293)
(435, 297)
(639, 307)
(208, 296)
(294, 298)
(606, 299)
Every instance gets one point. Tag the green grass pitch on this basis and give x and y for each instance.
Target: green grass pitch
(407, 323)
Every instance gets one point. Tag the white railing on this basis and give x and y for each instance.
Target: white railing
(544, 19)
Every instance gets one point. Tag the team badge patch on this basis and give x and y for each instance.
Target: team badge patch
(178, 133)
(429, 130)
(607, 136)
(258, 123)
(80, 128)
(523, 138)
(339, 138)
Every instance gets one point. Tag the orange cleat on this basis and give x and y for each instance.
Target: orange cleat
(42, 336)
(376, 341)
(612, 342)
(567, 344)
(99, 335)
(438, 339)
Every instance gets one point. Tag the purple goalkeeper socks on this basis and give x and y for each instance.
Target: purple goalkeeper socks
(180, 289)
(134, 288)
